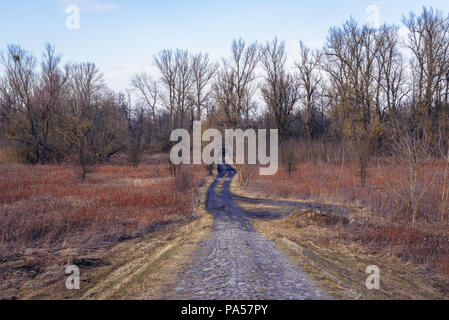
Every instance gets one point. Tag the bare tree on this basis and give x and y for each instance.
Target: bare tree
(391, 78)
(309, 80)
(165, 61)
(135, 118)
(203, 73)
(249, 106)
(415, 150)
(178, 80)
(34, 97)
(20, 77)
(184, 81)
(234, 82)
(147, 90)
(83, 86)
(350, 64)
(50, 99)
(429, 42)
(280, 90)
(107, 137)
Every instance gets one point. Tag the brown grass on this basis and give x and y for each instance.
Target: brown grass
(46, 211)
(323, 248)
(147, 267)
(385, 191)
(382, 222)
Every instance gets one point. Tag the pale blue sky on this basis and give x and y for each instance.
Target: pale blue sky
(122, 36)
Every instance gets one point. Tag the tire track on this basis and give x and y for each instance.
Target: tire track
(237, 262)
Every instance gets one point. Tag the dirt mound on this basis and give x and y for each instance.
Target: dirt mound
(304, 218)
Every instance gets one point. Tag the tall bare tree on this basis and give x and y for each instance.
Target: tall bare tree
(165, 62)
(21, 81)
(184, 81)
(428, 40)
(147, 90)
(203, 73)
(280, 89)
(391, 79)
(233, 86)
(351, 67)
(84, 82)
(49, 99)
(309, 80)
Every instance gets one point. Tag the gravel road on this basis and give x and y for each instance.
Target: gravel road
(236, 262)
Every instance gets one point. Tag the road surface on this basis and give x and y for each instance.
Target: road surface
(236, 262)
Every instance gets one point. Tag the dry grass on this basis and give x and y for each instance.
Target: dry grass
(321, 247)
(47, 215)
(384, 193)
(143, 268)
(382, 223)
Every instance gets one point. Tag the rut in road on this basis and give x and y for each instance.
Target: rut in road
(237, 262)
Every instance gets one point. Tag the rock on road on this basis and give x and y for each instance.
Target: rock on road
(236, 262)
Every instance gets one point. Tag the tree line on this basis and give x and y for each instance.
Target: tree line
(375, 89)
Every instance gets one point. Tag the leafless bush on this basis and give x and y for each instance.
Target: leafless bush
(415, 150)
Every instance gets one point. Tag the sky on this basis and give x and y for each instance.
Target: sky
(122, 36)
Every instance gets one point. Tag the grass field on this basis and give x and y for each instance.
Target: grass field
(50, 218)
(380, 209)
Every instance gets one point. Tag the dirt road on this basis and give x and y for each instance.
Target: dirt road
(236, 262)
